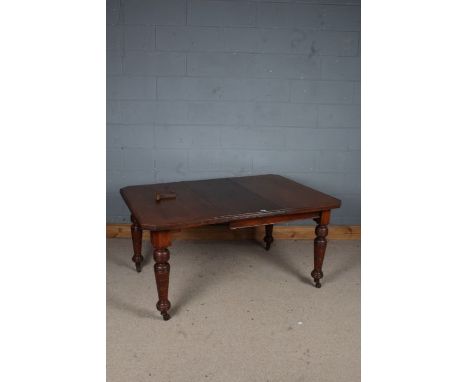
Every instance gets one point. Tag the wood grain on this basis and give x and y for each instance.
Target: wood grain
(222, 232)
(160, 241)
(225, 200)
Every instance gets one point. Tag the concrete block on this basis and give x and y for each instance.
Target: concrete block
(114, 159)
(190, 39)
(221, 64)
(225, 89)
(114, 37)
(131, 112)
(338, 17)
(335, 43)
(252, 138)
(155, 12)
(241, 39)
(111, 180)
(221, 113)
(352, 183)
(341, 68)
(130, 136)
(187, 136)
(306, 41)
(221, 13)
(238, 162)
(353, 161)
(112, 12)
(115, 204)
(286, 66)
(177, 137)
(138, 159)
(251, 65)
(201, 89)
(354, 139)
(131, 88)
(329, 183)
(336, 2)
(168, 112)
(154, 63)
(168, 176)
(286, 41)
(322, 91)
(286, 114)
(317, 139)
(113, 62)
(276, 161)
(331, 161)
(339, 116)
(294, 15)
(170, 159)
(357, 93)
(139, 37)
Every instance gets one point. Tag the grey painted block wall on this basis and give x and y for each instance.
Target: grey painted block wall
(202, 89)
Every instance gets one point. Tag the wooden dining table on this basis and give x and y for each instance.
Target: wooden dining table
(238, 202)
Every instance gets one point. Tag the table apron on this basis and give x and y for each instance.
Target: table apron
(253, 222)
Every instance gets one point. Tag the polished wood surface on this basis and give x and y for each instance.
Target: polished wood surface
(161, 240)
(137, 236)
(320, 245)
(214, 201)
(241, 202)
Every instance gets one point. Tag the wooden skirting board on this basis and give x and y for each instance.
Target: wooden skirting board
(222, 232)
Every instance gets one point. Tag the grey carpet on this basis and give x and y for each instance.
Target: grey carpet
(239, 313)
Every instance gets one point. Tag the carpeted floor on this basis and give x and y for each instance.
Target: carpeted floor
(239, 313)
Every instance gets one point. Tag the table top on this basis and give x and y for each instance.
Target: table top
(215, 201)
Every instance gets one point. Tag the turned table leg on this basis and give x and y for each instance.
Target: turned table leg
(160, 241)
(137, 234)
(320, 245)
(268, 239)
